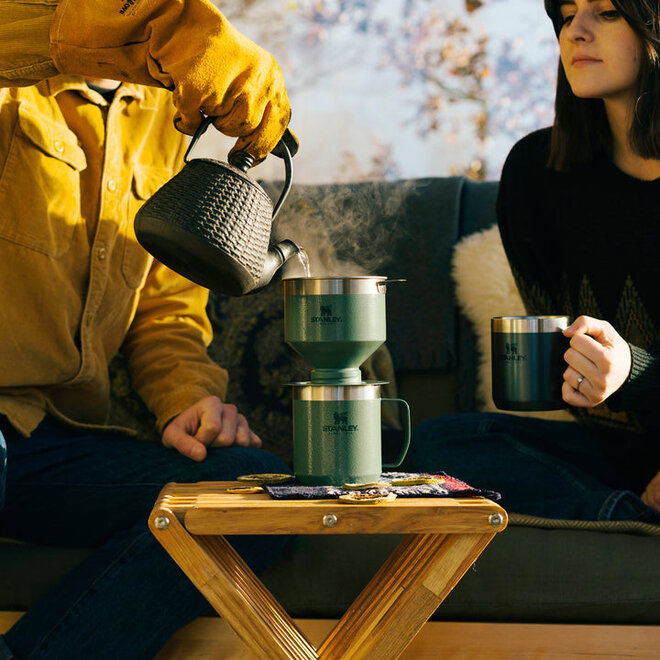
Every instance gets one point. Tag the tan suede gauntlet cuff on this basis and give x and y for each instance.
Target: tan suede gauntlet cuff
(24, 42)
(112, 38)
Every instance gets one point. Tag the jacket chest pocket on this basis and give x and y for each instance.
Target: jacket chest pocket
(40, 185)
(136, 261)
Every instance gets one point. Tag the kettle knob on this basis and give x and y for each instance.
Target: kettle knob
(241, 160)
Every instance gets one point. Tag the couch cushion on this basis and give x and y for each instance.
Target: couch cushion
(526, 574)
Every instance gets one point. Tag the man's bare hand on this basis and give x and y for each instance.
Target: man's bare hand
(651, 496)
(208, 423)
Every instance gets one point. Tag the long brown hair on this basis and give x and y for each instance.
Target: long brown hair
(581, 131)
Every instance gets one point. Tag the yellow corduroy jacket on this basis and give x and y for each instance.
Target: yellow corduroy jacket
(75, 286)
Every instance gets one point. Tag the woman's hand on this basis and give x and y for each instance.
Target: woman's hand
(598, 362)
(651, 496)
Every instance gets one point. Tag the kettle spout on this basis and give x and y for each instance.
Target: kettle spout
(278, 254)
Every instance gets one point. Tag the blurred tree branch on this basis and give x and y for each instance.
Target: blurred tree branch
(439, 52)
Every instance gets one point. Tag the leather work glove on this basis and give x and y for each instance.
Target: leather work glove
(187, 46)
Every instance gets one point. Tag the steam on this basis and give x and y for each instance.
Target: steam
(346, 229)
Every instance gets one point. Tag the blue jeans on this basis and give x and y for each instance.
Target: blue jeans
(543, 468)
(96, 490)
(3, 468)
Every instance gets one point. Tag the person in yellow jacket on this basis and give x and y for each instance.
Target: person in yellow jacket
(78, 156)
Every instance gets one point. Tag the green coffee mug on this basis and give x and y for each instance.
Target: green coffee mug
(337, 433)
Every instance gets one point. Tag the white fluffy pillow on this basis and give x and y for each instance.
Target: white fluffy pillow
(485, 288)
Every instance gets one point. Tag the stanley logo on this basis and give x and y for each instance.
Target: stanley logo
(340, 424)
(512, 354)
(326, 316)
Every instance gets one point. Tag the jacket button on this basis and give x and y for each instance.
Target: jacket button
(102, 253)
(59, 147)
(112, 185)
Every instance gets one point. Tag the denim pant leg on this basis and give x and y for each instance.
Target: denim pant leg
(3, 469)
(544, 468)
(128, 597)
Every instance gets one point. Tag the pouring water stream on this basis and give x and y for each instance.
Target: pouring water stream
(304, 261)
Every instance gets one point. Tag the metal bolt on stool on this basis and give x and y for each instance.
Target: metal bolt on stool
(330, 520)
(162, 522)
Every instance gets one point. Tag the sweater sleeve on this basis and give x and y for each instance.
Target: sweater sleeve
(642, 389)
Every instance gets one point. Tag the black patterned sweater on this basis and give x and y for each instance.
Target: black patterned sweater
(588, 242)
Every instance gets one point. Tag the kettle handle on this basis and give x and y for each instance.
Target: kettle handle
(288, 178)
(201, 129)
(241, 159)
(244, 160)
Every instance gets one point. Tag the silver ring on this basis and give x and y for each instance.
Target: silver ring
(580, 379)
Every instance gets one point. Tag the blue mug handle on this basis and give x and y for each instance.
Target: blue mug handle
(406, 441)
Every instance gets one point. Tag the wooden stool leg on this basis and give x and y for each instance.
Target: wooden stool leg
(402, 596)
(233, 590)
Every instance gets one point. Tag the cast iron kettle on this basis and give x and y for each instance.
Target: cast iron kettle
(211, 222)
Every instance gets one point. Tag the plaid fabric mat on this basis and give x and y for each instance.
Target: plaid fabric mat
(448, 487)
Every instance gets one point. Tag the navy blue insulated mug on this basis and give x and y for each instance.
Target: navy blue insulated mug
(528, 361)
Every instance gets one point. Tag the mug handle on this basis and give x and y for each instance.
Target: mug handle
(406, 441)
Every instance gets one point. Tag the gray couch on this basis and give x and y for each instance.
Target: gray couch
(536, 570)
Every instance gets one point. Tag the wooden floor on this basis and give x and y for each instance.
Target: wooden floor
(202, 639)
(210, 639)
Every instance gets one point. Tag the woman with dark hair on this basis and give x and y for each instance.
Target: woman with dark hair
(579, 216)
